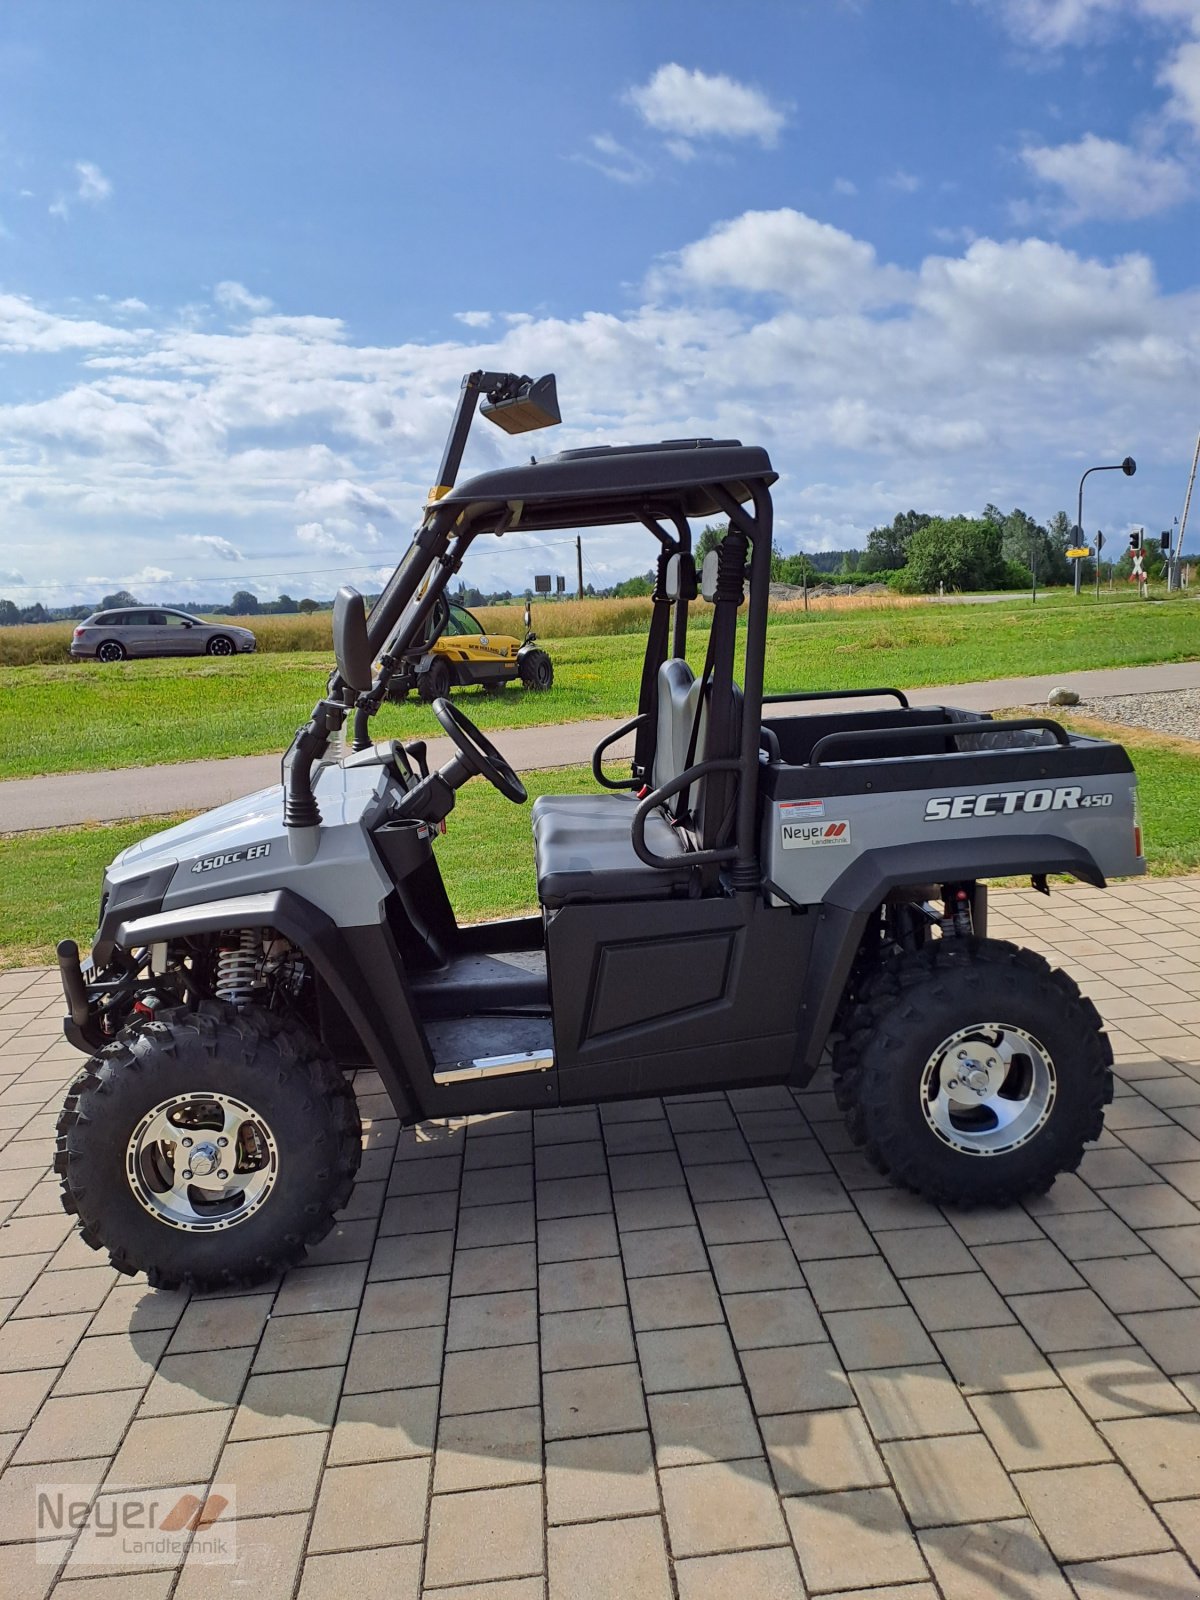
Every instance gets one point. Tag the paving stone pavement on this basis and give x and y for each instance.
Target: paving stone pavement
(692, 1348)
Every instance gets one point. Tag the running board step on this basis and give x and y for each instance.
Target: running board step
(494, 1066)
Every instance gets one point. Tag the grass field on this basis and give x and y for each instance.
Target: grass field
(77, 717)
(45, 643)
(52, 880)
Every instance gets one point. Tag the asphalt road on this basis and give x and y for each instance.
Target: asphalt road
(68, 799)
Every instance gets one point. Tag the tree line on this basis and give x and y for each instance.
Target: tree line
(243, 604)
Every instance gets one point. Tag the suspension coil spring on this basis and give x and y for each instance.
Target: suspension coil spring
(237, 968)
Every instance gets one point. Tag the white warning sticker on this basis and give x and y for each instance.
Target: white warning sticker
(797, 810)
(805, 835)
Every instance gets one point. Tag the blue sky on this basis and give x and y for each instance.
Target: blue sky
(930, 252)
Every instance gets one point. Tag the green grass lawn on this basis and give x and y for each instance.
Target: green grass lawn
(84, 717)
(51, 881)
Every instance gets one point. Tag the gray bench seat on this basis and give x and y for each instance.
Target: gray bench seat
(583, 849)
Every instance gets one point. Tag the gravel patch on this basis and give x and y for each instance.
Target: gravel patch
(1175, 712)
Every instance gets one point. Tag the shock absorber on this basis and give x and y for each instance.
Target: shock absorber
(237, 968)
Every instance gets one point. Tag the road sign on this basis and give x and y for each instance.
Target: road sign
(542, 582)
(1136, 571)
(1079, 552)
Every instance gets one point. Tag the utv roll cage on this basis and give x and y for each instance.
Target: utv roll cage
(658, 486)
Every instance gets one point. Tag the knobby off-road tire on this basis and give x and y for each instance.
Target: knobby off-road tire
(250, 1060)
(537, 670)
(892, 1058)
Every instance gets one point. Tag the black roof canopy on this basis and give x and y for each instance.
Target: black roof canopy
(617, 484)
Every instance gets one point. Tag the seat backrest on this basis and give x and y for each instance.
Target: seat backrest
(678, 693)
(679, 736)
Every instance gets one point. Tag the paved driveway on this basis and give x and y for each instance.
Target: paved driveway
(692, 1348)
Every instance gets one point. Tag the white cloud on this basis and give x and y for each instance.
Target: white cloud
(235, 296)
(91, 187)
(314, 534)
(216, 545)
(697, 105)
(1050, 24)
(988, 372)
(1101, 178)
(94, 187)
(844, 186)
(903, 182)
(1028, 296)
(1181, 75)
(24, 327)
(788, 253)
(341, 497)
(473, 319)
(131, 304)
(609, 156)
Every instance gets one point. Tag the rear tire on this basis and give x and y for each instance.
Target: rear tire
(111, 651)
(537, 670)
(219, 645)
(290, 1172)
(984, 1010)
(436, 683)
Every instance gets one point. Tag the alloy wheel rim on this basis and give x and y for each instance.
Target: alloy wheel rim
(220, 647)
(110, 652)
(988, 1089)
(202, 1162)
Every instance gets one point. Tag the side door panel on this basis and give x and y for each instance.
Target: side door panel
(137, 633)
(668, 996)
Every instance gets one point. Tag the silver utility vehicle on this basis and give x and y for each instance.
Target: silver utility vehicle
(774, 878)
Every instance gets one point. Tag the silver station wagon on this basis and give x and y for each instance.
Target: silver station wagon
(153, 631)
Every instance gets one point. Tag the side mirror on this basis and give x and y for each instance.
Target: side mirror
(708, 576)
(350, 648)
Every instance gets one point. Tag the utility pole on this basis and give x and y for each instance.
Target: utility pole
(1187, 501)
(579, 563)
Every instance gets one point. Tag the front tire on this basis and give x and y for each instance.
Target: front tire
(219, 645)
(972, 1073)
(436, 683)
(537, 670)
(257, 1108)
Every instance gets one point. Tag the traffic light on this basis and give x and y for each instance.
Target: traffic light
(1135, 539)
(1099, 543)
(1164, 539)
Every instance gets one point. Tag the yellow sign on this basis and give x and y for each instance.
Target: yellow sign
(1078, 553)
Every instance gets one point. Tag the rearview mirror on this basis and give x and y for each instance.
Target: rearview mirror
(351, 650)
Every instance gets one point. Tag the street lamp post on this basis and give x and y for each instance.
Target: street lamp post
(1128, 467)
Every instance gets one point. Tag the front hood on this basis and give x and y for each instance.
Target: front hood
(210, 831)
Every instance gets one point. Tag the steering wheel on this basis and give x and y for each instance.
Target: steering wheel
(479, 754)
